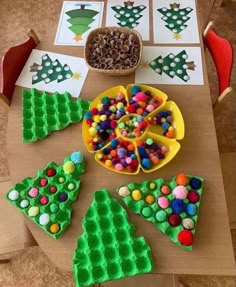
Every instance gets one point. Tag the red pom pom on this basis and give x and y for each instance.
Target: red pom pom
(89, 122)
(193, 196)
(94, 111)
(134, 162)
(131, 109)
(51, 172)
(174, 219)
(185, 237)
(113, 124)
(52, 189)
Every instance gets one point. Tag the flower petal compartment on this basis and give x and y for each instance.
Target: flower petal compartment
(133, 128)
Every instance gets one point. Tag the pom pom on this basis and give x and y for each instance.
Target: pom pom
(161, 216)
(77, 157)
(191, 209)
(195, 183)
(123, 191)
(193, 196)
(188, 223)
(51, 172)
(69, 167)
(163, 202)
(174, 219)
(135, 90)
(178, 206)
(146, 212)
(180, 192)
(185, 237)
(182, 179)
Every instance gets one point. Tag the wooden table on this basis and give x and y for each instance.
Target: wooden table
(212, 250)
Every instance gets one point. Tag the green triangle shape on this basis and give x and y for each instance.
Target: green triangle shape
(46, 199)
(108, 248)
(43, 113)
(175, 213)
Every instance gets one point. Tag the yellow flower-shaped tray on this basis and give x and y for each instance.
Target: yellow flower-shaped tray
(132, 129)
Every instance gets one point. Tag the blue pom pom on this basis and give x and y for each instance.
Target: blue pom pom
(77, 157)
(87, 116)
(146, 163)
(191, 209)
(135, 90)
(142, 152)
(114, 143)
(178, 206)
(195, 183)
(106, 151)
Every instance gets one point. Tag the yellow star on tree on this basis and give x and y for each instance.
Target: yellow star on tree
(144, 65)
(76, 76)
(176, 36)
(78, 38)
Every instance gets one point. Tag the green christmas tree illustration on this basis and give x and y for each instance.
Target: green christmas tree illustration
(80, 19)
(173, 65)
(129, 14)
(175, 18)
(50, 70)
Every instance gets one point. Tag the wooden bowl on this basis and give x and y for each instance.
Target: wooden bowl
(106, 50)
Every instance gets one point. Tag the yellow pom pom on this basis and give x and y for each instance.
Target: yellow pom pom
(33, 211)
(96, 119)
(152, 185)
(136, 194)
(108, 162)
(92, 131)
(69, 167)
(103, 117)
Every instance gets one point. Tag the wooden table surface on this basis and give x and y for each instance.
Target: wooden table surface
(212, 250)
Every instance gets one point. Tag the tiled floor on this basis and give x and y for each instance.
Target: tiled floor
(32, 267)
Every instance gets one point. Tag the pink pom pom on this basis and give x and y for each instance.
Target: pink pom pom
(180, 192)
(163, 202)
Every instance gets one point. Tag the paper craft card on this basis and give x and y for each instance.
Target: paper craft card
(175, 22)
(170, 65)
(53, 72)
(77, 19)
(130, 14)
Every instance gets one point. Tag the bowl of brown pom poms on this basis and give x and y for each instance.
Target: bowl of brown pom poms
(113, 50)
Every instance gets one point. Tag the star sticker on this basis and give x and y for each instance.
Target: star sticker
(176, 36)
(78, 38)
(76, 76)
(144, 65)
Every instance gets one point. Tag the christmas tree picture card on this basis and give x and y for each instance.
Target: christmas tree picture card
(77, 19)
(170, 65)
(175, 22)
(129, 14)
(53, 72)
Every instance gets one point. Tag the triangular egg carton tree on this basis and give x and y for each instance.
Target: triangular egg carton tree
(108, 249)
(44, 113)
(172, 206)
(47, 198)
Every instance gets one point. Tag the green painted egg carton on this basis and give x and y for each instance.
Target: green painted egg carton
(47, 198)
(108, 248)
(44, 113)
(172, 206)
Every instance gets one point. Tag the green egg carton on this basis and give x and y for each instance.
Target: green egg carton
(43, 113)
(172, 206)
(108, 248)
(47, 198)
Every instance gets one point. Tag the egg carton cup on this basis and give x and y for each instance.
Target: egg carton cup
(108, 249)
(144, 199)
(52, 199)
(153, 131)
(43, 113)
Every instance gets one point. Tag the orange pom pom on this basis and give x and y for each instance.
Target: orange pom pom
(182, 179)
(170, 134)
